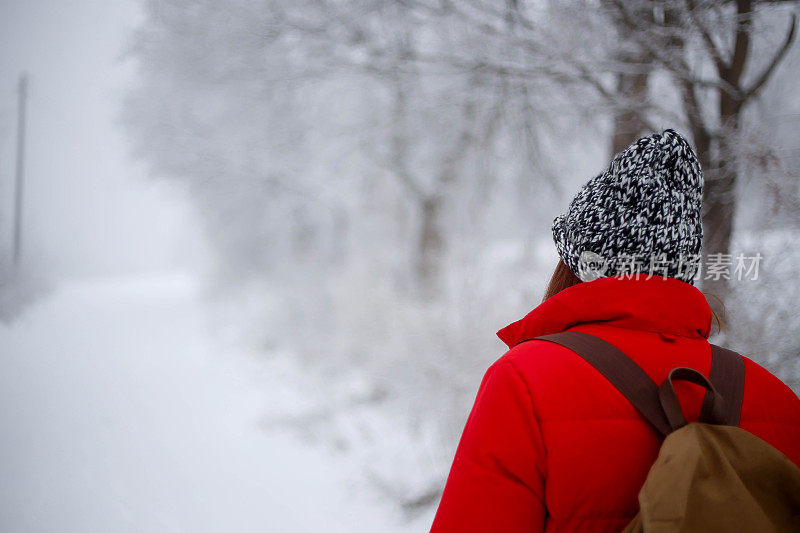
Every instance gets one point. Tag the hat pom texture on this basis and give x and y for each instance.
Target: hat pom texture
(646, 205)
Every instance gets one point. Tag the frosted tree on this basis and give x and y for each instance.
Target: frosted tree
(367, 168)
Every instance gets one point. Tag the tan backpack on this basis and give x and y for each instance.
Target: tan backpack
(710, 475)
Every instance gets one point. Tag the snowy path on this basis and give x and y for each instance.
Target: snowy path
(119, 413)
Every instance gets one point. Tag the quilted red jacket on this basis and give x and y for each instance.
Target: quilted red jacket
(551, 445)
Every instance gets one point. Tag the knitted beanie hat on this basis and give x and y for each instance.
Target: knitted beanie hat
(642, 214)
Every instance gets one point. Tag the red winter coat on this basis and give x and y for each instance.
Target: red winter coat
(551, 445)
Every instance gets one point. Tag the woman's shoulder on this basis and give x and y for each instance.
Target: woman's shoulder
(535, 360)
(771, 410)
(768, 398)
(554, 376)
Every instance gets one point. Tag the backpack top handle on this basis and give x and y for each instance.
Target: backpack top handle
(672, 407)
(724, 387)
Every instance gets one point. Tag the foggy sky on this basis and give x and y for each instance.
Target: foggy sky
(89, 209)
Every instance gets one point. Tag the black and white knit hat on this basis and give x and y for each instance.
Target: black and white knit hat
(642, 212)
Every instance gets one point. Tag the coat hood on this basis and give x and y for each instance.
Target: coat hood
(665, 305)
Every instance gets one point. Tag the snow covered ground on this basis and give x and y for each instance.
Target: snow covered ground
(123, 408)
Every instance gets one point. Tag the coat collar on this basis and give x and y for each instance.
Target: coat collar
(668, 306)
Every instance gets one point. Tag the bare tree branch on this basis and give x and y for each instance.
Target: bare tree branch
(779, 55)
(716, 54)
(741, 45)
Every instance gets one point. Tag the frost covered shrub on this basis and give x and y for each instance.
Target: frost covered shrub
(418, 363)
(763, 313)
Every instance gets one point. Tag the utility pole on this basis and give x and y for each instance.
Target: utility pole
(20, 170)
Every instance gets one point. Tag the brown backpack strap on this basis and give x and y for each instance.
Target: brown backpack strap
(727, 376)
(620, 370)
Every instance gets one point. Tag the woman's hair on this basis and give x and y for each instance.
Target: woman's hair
(564, 278)
(561, 279)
